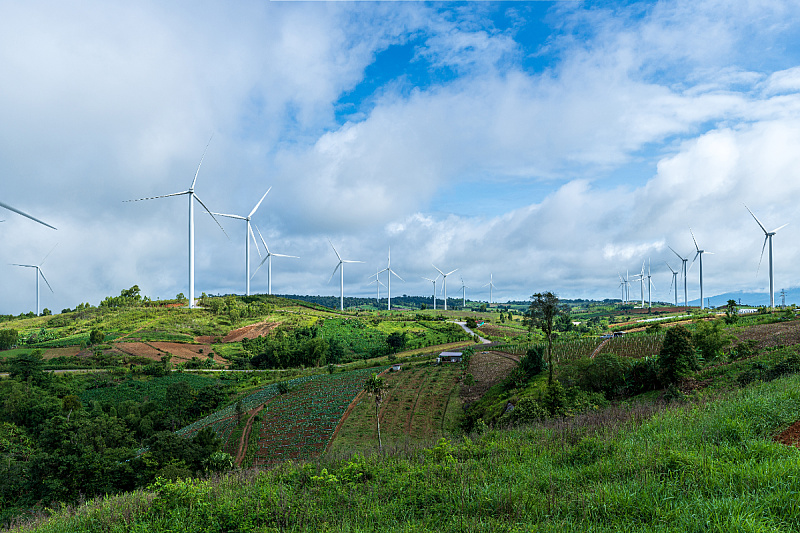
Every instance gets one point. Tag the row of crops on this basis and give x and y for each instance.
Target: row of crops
(299, 425)
(634, 346)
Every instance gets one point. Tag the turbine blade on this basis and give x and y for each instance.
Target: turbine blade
(756, 219)
(693, 260)
(284, 255)
(259, 203)
(201, 162)
(398, 277)
(263, 241)
(18, 265)
(350, 261)
(695, 240)
(259, 266)
(48, 255)
(155, 197)
(253, 235)
(437, 268)
(780, 228)
(334, 251)
(45, 280)
(676, 253)
(26, 215)
(334, 271)
(762, 254)
(212, 215)
(229, 216)
(450, 272)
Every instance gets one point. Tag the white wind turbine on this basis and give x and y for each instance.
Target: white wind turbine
(268, 259)
(464, 293)
(640, 278)
(248, 233)
(684, 260)
(674, 281)
(340, 267)
(378, 284)
(26, 215)
(192, 198)
(767, 237)
(444, 288)
(39, 273)
(700, 255)
(434, 289)
(389, 273)
(650, 285)
(622, 286)
(491, 286)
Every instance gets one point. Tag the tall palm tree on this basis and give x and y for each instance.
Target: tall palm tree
(376, 387)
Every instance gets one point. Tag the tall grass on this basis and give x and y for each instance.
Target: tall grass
(708, 466)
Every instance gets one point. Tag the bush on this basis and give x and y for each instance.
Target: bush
(8, 338)
(606, 373)
(711, 339)
(533, 363)
(643, 376)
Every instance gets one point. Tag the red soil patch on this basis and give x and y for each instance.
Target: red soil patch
(769, 335)
(156, 350)
(791, 436)
(68, 351)
(251, 332)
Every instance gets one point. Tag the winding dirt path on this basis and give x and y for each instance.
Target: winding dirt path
(245, 439)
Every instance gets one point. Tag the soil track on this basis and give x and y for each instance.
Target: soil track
(251, 332)
(790, 436)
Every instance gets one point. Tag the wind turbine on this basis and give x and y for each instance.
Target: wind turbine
(340, 267)
(378, 284)
(674, 281)
(444, 276)
(640, 278)
(700, 255)
(464, 293)
(767, 237)
(434, 289)
(248, 233)
(491, 286)
(39, 273)
(685, 288)
(389, 273)
(26, 215)
(650, 285)
(192, 198)
(268, 259)
(622, 285)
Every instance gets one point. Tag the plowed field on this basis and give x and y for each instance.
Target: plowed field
(769, 335)
(251, 332)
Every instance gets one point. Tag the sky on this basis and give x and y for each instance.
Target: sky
(550, 145)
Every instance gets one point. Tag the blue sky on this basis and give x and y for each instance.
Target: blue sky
(552, 145)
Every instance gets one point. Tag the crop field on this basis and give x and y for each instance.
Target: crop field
(634, 346)
(422, 403)
(770, 335)
(140, 389)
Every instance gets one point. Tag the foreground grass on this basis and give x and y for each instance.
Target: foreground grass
(696, 467)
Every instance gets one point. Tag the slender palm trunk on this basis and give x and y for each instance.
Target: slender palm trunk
(378, 422)
(550, 358)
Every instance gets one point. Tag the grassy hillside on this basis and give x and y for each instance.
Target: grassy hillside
(708, 466)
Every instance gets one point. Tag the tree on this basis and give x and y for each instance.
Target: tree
(677, 358)
(542, 313)
(376, 387)
(8, 338)
(731, 312)
(96, 336)
(711, 339)
(396, 340)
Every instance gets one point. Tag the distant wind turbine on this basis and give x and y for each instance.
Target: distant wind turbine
(248, 233)
(767, 237)
(491, 286)
(684, 260)
(192, 198)
(389, 273)
(377, 281)
(26, 215)
(464, 293)
(674, 281)
(340, 267)
(39, 273)
(650, 285)
(434, 289)
(444, 276)
(268, 259)
(700, 255)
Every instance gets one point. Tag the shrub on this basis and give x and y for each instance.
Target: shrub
(643, 376)
(533, 363)
(711, 338)
(606, 373)
(8, 338)
(554, 400)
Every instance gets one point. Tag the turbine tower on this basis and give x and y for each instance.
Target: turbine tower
(674, 281)
(767, 237)
(444, 283)
(700, 255)
(268, 259)
(192, 197)
(491, 286)
(650, 285)
(389, 273)
(39, 273)
(685, 287)
(434, 289)
(26, 215)
(248, 233)
(340, 267)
